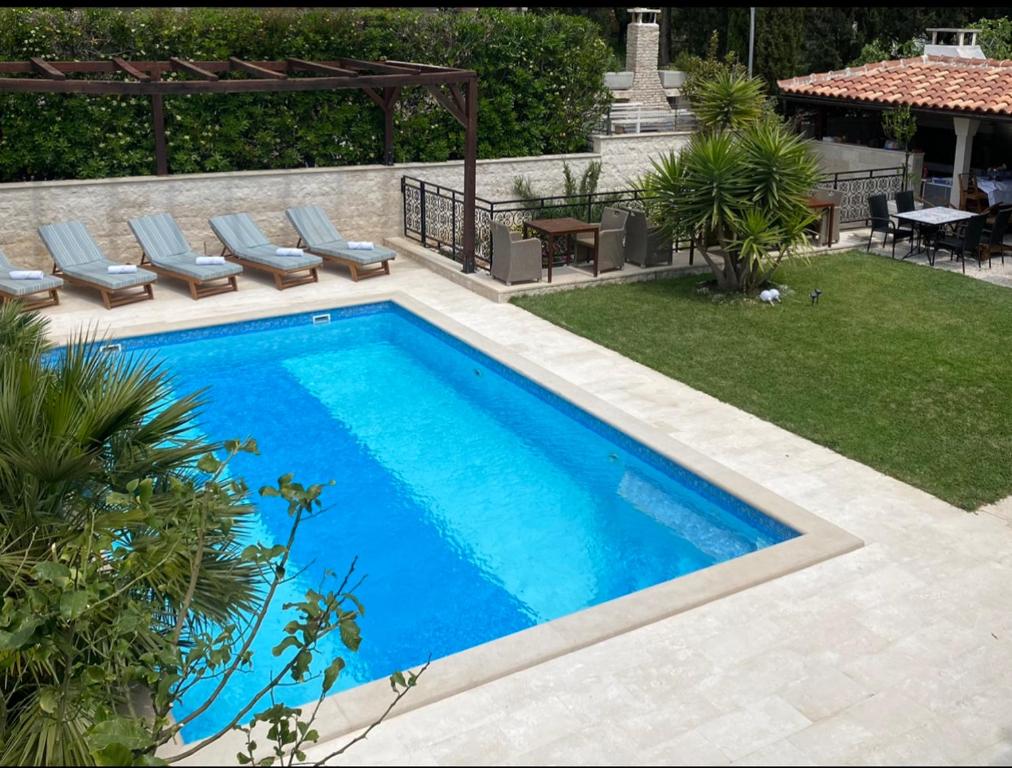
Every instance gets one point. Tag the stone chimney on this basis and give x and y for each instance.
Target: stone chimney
(642, 40)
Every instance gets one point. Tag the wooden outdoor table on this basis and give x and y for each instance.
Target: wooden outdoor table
(821, 205)
(553, 228)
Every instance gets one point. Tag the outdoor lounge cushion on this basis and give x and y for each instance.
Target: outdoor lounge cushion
(77, 254)
(244, 238)
(166, 248)
(320, 236)
(23, 287)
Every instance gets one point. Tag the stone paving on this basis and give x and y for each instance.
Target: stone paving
(900, 652)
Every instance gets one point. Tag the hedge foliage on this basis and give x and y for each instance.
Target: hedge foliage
(541, 87)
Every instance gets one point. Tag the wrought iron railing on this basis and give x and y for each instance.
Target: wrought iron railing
(858, 185)
(433, 213)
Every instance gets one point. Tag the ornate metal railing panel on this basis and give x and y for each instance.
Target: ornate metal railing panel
(858, 185)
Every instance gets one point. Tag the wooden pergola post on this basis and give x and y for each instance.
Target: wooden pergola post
(470, 172)
(389, 99)
(158, 128)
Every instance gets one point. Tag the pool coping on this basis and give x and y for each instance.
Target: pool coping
(348, 711)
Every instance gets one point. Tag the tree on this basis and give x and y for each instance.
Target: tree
(739, 188)
(900, 125)
(700, 70)
(125, 566)
(881, 50)
(995, 38)
(779, 43)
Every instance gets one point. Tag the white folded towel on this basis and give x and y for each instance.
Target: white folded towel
(121, 269)
(289, 252)
(208, 260)
(26, 274)
(360, 245)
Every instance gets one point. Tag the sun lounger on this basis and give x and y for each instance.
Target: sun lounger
(20, 290)
(167, 253)
(319, 236)
(247, 245)
(80, 261)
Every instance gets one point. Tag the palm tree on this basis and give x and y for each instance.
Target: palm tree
(78, 426)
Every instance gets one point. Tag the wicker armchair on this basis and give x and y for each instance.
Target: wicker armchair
(514, 260)
(611, 241)
(645, 245)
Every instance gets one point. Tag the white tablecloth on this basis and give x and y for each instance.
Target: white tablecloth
(997, 191)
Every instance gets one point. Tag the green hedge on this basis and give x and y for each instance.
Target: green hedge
(541, 87)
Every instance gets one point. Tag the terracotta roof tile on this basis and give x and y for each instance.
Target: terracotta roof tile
(925, 82)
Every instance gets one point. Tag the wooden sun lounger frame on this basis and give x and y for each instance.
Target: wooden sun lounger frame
(358, 271)
(199, 289)
(27, 305)
(283, 278)
(111, 297)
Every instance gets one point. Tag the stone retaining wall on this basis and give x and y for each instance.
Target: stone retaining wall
(364, 201)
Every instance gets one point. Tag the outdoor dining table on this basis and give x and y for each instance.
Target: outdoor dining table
(555, 228)
(939, 216)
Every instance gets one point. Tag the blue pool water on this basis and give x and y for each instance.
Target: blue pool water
(477, 503)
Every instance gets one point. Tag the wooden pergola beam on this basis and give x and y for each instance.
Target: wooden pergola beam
(379, 66)
(415, 66)
(127, 68)
(321, 68)
(181, 65)
(255, 69)
(237, 85)
(375, 97)
(47, 69)
(449, 104)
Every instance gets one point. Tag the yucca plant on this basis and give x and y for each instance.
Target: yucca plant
(730, 99)
(739, 188)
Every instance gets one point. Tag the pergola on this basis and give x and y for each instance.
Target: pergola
(456, 90)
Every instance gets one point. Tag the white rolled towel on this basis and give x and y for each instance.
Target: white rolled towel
(205, 261)
(360, 245)
(26, 274)
(289, 252)
(121, 269)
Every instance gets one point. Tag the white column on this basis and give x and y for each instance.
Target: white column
(965, 128)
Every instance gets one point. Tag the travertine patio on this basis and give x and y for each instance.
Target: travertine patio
(897, 652)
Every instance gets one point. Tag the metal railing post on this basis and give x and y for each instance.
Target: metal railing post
(453, 222)
(421, 208)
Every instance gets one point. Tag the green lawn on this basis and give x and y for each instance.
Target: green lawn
(906, 369)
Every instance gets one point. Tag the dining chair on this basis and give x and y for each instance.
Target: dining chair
(966, 243)
(878, 207)
(994, 234)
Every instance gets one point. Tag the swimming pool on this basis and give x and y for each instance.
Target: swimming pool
(479, 503)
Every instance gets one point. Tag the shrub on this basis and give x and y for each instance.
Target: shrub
(541, 89)
(996, 37)
(741, 185)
